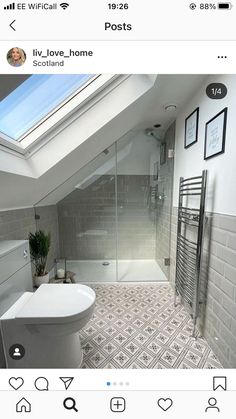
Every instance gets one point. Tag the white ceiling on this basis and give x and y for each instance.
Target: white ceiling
(168, 89)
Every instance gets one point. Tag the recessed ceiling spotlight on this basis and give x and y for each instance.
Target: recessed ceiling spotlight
(170, 107)
(157, 126)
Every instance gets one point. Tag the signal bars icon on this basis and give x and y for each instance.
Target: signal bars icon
(10, 6)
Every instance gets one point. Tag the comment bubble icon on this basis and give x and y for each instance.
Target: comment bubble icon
(41, 384)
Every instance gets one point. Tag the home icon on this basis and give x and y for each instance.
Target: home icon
(23, 406)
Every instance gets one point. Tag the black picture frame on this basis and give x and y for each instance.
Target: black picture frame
(162, 153)
(191, 128)
(215, 135)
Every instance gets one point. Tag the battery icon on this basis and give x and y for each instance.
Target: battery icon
(224, 6)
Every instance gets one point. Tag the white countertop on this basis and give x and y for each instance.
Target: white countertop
(7, 246)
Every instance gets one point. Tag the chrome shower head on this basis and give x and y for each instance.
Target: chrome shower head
(150, 132)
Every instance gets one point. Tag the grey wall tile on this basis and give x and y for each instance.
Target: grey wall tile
(217, 264)
(230, 273)
(219, 236)
(231, 241)
(227, 222)
(87, 214)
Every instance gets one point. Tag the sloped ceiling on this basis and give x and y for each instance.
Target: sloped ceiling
(142, 108)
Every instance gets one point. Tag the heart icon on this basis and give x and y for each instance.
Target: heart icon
(16, 383)
(165, 404)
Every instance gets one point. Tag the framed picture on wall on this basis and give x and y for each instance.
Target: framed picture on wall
(191, 128)
(215, 134)
(163, 153)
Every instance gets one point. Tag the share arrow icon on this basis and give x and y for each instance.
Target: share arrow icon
(67, 381)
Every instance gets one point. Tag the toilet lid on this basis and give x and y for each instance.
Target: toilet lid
(60, 303)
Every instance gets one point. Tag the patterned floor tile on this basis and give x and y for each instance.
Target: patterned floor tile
(162, 338)
(87, 348)
(119, 323)
(110, 366)
(109, 348)
(145, 359)
(193, 358)
(110, 330)
(97, 360)
(129, 330)
(141, 338)
(132, 348)
(154, 348)
(137, 326)
(90, 330)
(169, 358)
(176, 347)
(199, 346)
(134, 365)
(120, 338)
(159, 366)
(99, 339)
(121, 358)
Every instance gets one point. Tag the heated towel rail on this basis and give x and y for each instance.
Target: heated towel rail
(190, 231)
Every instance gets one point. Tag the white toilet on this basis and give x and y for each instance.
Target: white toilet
(46, 324)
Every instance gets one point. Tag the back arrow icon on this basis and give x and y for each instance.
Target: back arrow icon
(12, 24)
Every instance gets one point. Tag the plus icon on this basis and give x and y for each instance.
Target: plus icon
(117, 404)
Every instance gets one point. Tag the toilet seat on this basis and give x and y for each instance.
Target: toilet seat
(57, 303)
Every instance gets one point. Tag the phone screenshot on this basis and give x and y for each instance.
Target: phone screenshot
(117, 209)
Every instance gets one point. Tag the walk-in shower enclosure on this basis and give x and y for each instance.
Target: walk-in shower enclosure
(111, 219)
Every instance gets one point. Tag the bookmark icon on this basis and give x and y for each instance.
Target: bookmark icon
(220, 383)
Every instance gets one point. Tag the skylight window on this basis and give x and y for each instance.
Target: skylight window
(36, 99)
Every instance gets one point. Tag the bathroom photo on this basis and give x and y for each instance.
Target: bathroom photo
(117, 221)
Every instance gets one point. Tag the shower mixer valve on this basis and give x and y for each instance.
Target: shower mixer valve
(162, 196)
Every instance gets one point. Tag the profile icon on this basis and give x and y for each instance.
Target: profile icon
(17, 352)
(212, 402)
(16, 57)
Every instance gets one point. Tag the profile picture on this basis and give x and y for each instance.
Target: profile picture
(16, 57)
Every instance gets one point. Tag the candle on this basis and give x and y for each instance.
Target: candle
(61, 273)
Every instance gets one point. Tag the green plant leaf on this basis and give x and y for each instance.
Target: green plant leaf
(39, 248)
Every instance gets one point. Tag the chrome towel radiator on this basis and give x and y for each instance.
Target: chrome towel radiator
(190, 232)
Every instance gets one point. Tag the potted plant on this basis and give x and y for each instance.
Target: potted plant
(39, 247)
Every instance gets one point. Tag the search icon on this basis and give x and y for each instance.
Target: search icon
(70, 404)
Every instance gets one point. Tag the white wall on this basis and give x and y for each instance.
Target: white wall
(222, 168)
